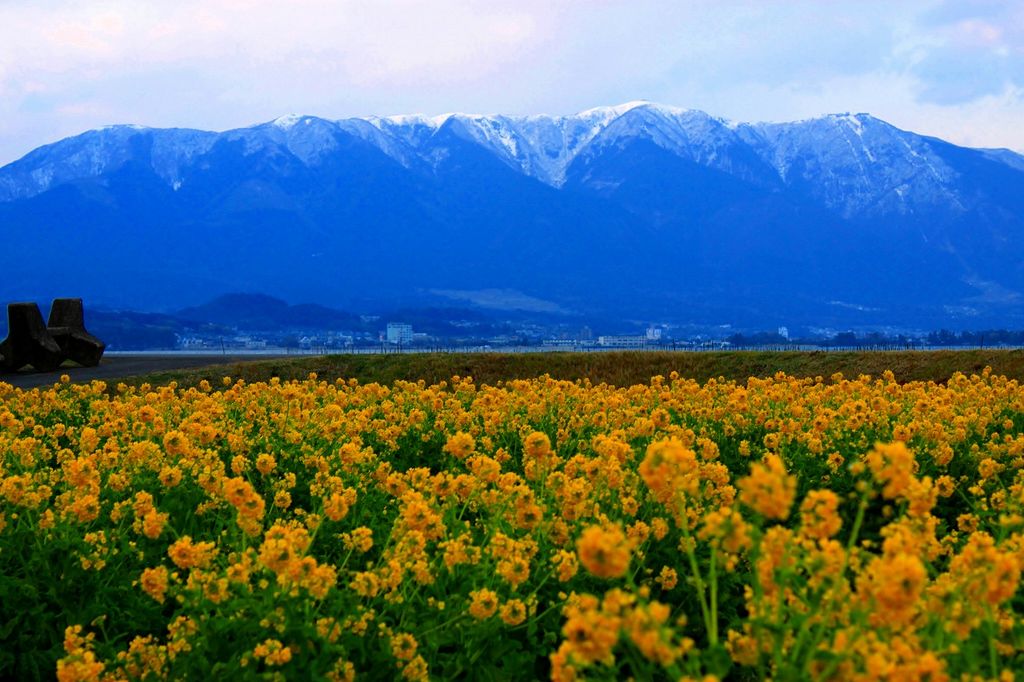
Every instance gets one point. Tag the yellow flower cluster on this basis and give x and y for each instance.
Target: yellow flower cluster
(820, 528)
(604, 551)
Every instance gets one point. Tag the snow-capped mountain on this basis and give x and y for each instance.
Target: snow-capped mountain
(856, 163)
(850, 162)
(587, 211)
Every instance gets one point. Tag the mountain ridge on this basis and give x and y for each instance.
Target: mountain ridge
(639, 210)
(484, 129)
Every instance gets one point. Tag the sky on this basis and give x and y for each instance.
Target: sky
(954, 69)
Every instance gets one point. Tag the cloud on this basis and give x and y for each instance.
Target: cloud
(953, 75)
(786, 43)
(952, 69)
(370, 42)
(953, 11)
(225, 63)
(972, 49)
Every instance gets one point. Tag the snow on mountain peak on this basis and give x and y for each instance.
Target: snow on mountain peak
(854, 123)
(541, 146)
(855, 163)
(287, 121)
(123, 126)
(409, 120)
(853, 160)
(613, 111)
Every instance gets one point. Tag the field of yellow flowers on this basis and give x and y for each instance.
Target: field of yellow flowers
(824, 528)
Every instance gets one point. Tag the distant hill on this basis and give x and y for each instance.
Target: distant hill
(134, 331)
(247, 313)
(256, 312)
(639, 211)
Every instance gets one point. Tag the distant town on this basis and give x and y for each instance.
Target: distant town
(395, 337)
(400, 335)
(255, 323)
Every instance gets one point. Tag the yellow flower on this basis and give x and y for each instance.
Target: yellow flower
(154, 582)
(336, 507)
(892, 465)
(725, 529)
(515, 570)
(668, 578)
(590, 632)
(79, 668)
(153, 524)
(170, 476)
(646, 627)
(273, 652)
(769, 490)
(186, 554)
(513, 612)
(819, 513)
(265, 463)
(365, 584)
(894, 583)
(282, 499)
(176, 443)
(403, 646)
(483, 603)
(460, 445)
(360, 539)
(250, 505)
(80, 664)
(566, 563)
(604, 551)
(537, 445)
(669, 468)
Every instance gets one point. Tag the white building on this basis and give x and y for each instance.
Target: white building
(653, 333)
(622, 341)
(399, 333)
(559, 343)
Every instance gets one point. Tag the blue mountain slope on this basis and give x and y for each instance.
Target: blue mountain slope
(630, 212)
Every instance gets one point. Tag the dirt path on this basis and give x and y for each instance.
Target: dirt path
(114, 367)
